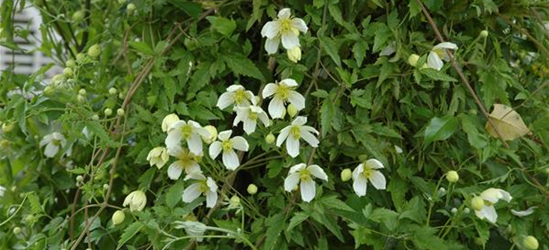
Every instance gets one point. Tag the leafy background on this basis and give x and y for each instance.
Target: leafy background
(178, 56)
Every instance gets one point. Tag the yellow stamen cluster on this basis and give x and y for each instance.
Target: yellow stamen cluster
(295, 131)
(283, 92)
(239, 96)
(227, 145)
(304, 175)
(186, 130)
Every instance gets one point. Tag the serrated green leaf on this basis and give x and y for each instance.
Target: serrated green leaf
(331, 48)
(141, 47)
(222, 25)
(129, 233)
(327, 114)
(333, 202)
(34, 201)
(173, 196)
(440, 129)
(437, 75)
(241, 65)
(275, 226)
(296, 220)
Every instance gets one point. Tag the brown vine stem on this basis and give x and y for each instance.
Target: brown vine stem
(460, 73)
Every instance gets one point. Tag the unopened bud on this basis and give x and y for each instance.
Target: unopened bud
(412, 59)
(7, 127)
(78, 16)
(29, 218)
(477, 203)
(120, 112)
(530, 242)
(108, 111)
(454, 210)
(118, 217)
(292, 110)
(82, 92)
(70, 63)
(346, 174)
(270, 138)
(81, 98)
(484, 34)
(466, 210)
(95, 117)
(16, 230)
(213, 134)
(294, 54)
(94, 51)
(252, 189)
(79, 178)
(68, 72)
(452, 176)
(130, 8)
(113, 91)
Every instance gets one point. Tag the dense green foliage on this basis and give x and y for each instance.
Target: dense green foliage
(152, 58)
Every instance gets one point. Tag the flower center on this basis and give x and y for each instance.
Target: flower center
(227, 145)
(283, 92)
(304, 175)
(203, 186)
(440, 52)
(367, 172)
(295, 131)
(286, 25)
(186, 131)
(55, 142)
(487, 203)
(239, 96)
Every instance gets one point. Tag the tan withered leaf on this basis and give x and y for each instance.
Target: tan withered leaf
(508, 122)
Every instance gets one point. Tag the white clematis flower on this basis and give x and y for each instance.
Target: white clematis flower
(439, 53)
(249, 116)
(285, 29)
(158, 156)
(228, 146)
(292, 133)
(237, 95)
(189, 131)
(490, 197)
(185, 161)
(168, 121)
(303, 175)
(53, 142)
(203, 186)
(136, 200)
(192, 228)
(365, 172)
(282, 93)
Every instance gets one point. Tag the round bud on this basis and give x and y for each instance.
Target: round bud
(530, 242)
(412, 59)
(477, 203)
(234, 201)
(113, 91)
(292, 110)
(29, 219)
(70, 63)
(270, 138)
(80, 57)
(131, 8)
(484, 34)
(108, 111)
(466, 210)
(78, 16)
(294, 54)
(16, 230)
(441, 191)
(346, 174)
(6, 128)
(454, 210)
(94, 51)
(213, 134)
(121, 95)
(252, 189)
(452, 176)
(81, 98)
(68, 72)
(79, 178)
(95, 117)
(106, 186)
(82, 92)
(118, 217)
(120, 112)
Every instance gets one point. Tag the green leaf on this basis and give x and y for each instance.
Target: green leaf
(173, 196)
(296, 220)
(331, 48)
(241, 65)
(146, 179)
(96, 128)
(327, 114)
(414, 210)
(414, 7)
(359, 51)
(275, 226)
(34, 201)
(191, 8)
(320, 93)
(437, 75)
(129, 233)
(386, 216)
(473, 136)
(333, 202)
(141, 47)
(440, 129)
(222, 25)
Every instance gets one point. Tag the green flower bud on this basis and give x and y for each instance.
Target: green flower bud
(108, 112)
(82, 92)
(68, 72)
(270, 138)
(412, 59)
(120, 112)
(252, 189)
(29, 219)
(106, 186)
(118, 217)
(477, 203)
(95, 117)
(80, 57)
(79, 178)
(484, 34)
(292, 110)
(113, 91)
(78, 16)
(294, 54)
(81, 98)
(130, 8)
(234, 202)
(452, 176)
(94, 51)
(6, 128)
(346, 174)
(16, 230)
(70, 63)
(530, 242)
